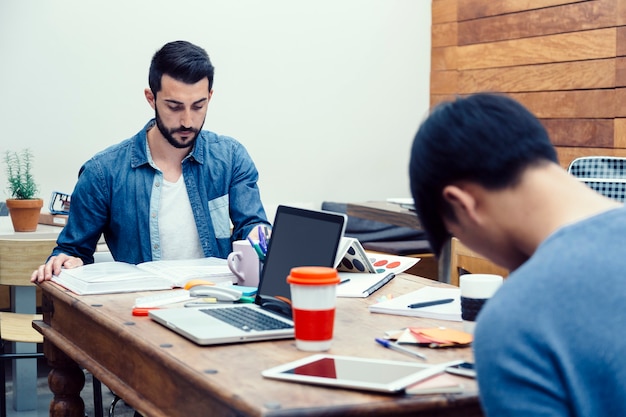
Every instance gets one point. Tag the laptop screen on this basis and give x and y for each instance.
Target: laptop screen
(299, 238)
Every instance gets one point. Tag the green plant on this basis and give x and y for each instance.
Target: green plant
(19, 176)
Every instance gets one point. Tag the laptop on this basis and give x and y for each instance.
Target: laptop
(299, 237)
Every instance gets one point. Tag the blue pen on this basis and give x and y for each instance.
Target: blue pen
(431, 303)
(262, 240)
(391, 345)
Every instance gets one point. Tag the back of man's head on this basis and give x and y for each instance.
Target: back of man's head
(488, 139)
(182, 61)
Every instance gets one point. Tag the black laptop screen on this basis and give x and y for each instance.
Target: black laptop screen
(299, 238)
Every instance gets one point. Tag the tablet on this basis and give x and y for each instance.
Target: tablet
(355, 373)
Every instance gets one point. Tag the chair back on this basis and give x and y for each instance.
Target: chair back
(463, 260)
(20, 256)
(604, 174)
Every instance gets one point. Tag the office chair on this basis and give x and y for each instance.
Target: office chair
(604, 174)
(466, 261)
(19, 257)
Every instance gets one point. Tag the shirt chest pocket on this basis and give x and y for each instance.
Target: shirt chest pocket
(220, 217)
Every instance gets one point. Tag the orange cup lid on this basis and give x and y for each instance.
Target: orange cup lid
(313, 275)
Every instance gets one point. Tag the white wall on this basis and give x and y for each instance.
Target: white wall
(325, 94)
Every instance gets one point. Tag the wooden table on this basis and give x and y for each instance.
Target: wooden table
(162, 374)
(382, 211)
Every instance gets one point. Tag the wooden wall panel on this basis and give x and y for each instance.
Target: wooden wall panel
(567, 154)
(543, 77)
(564, 59)
(472, 9)
(590, 133)
(575, 46)
(444, 11)
(444, 34)
(575, 104)
(546, 21)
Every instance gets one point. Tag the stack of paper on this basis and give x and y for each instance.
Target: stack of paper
(400, 305)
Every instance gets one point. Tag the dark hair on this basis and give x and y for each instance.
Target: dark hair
(182, 61)
(486, 138)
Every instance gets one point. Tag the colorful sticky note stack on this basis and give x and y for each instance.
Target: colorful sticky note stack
(435, 337)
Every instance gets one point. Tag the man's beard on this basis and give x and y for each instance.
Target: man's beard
(168, 134)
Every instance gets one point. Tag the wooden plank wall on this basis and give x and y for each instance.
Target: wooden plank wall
(564, 59)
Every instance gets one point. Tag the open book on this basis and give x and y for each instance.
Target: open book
(115, 277)
(362, 272)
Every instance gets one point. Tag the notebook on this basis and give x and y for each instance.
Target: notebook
(300, 237)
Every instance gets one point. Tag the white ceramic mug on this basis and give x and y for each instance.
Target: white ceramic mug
(476, 289)
(243, 262)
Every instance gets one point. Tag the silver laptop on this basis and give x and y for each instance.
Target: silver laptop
(299, 238)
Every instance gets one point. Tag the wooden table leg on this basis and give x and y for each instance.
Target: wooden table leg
(66, 380)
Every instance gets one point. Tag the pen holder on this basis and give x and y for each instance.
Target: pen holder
(476, 289)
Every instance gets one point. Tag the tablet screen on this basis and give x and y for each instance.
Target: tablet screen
(353, 372)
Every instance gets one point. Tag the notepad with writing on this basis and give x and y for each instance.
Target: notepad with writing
(400, 305)
(116, 277)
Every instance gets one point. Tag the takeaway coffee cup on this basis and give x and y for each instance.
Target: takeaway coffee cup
(313, 300)
(476, 289)
(244, 263)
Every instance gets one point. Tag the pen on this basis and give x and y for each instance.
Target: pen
(343, 281)
(257, 249)
(398, 348)
(431, 303)
(262, 241)
(379, 284)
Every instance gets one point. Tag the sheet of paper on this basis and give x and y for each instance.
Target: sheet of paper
(400, 305)
(363, 284)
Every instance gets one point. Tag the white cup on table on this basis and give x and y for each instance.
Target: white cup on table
(476, 289)
(244, 263)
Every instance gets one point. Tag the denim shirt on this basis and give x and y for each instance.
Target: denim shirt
(118, 194)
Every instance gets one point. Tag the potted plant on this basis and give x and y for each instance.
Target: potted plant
(24, 207)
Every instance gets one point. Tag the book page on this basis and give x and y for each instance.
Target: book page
(178, 272)
(112, 277)
(106, 272)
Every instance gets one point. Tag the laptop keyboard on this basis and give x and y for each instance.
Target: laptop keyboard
(246, 318)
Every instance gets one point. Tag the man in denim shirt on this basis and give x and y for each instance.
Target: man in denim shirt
(170, 191)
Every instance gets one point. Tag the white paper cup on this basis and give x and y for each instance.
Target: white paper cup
(476, 289)
(313, 301)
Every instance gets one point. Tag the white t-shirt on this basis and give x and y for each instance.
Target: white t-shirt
(177, 228)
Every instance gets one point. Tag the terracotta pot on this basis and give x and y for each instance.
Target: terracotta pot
(24, 213)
